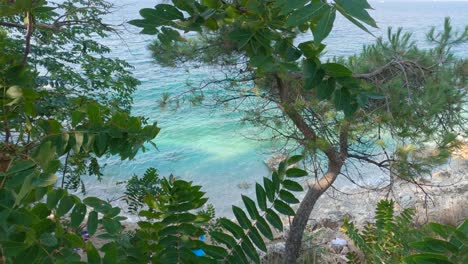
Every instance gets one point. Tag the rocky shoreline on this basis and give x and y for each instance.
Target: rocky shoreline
(442, 198)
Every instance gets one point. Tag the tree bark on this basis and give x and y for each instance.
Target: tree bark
(336, 157)
(296, 230)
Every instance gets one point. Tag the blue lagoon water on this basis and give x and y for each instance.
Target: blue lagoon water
(209, 145)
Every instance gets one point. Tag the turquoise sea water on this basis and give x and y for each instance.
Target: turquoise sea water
(209, 145)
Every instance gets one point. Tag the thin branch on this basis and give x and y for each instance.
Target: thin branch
(30, 28)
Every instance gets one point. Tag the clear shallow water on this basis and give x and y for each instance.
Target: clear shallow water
(210, 146)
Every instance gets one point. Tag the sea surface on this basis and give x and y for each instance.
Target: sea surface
(209, 145)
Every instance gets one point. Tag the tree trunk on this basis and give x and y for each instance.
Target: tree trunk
(336, 158)
(296, 230)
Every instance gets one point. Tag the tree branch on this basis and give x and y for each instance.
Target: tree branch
(52, 27)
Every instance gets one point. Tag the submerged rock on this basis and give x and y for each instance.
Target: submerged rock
(273, 162)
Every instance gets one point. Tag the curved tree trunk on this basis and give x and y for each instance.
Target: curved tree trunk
(336, 157)
(296, 231)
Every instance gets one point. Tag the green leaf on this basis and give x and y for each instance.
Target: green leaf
(269, 188)
(251, 207)
(288, 197)
(336, 70)
(111, 253)
(51, 168)
(257, 239)
(294, 159)
(239, 256)
(78, 214)
(313, 75)
(112, 226)
(212, 3)
(341, 98)
(146, 24)
(311, 49)
(250, 250)
(241, 217)
(287, 6)
(296, 173)
(463, 227)
(276, 180)
(263, 63)
(78, 141)
(66, 203)
(150, 200)
(93, 202)
(92, 254)
(77, 117)
(74, 240)
(92, 222)
(45, 179)
(184, 5)
(292, 186)
(19, 166)
(350, 82)
(216, 252)
(94, 114)
(352, 19)
(241, 36)
(48, 240)
(163, 14)
(274, 219)
(343, 101)
(44, 9)
(306, 13)
(100, 143)
(12, 248)
(357, 9)
(432, 245)
(44, 154)
(325, 89)
(283, 208)
(24, 5)
(169, 35)
(19, 178)
(427, 259)
(53, 197)
(287, 50)
(223, 238)
(212, 24)
(264, 228)
(324, 25)
(232, 227)
(444, 231)
(261, 197)
(41, 210)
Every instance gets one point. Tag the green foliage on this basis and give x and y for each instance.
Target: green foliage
(386, 241)
(138, 188)
(264, 32)
(174, 221)
(394, 239)
(446, 244)
(61, 93)
(63, 105)
(48, 228)
(67, 48)
(45, 223)
(398, 104)
(171, 230)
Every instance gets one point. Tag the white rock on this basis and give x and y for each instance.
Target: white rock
(339, 242)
